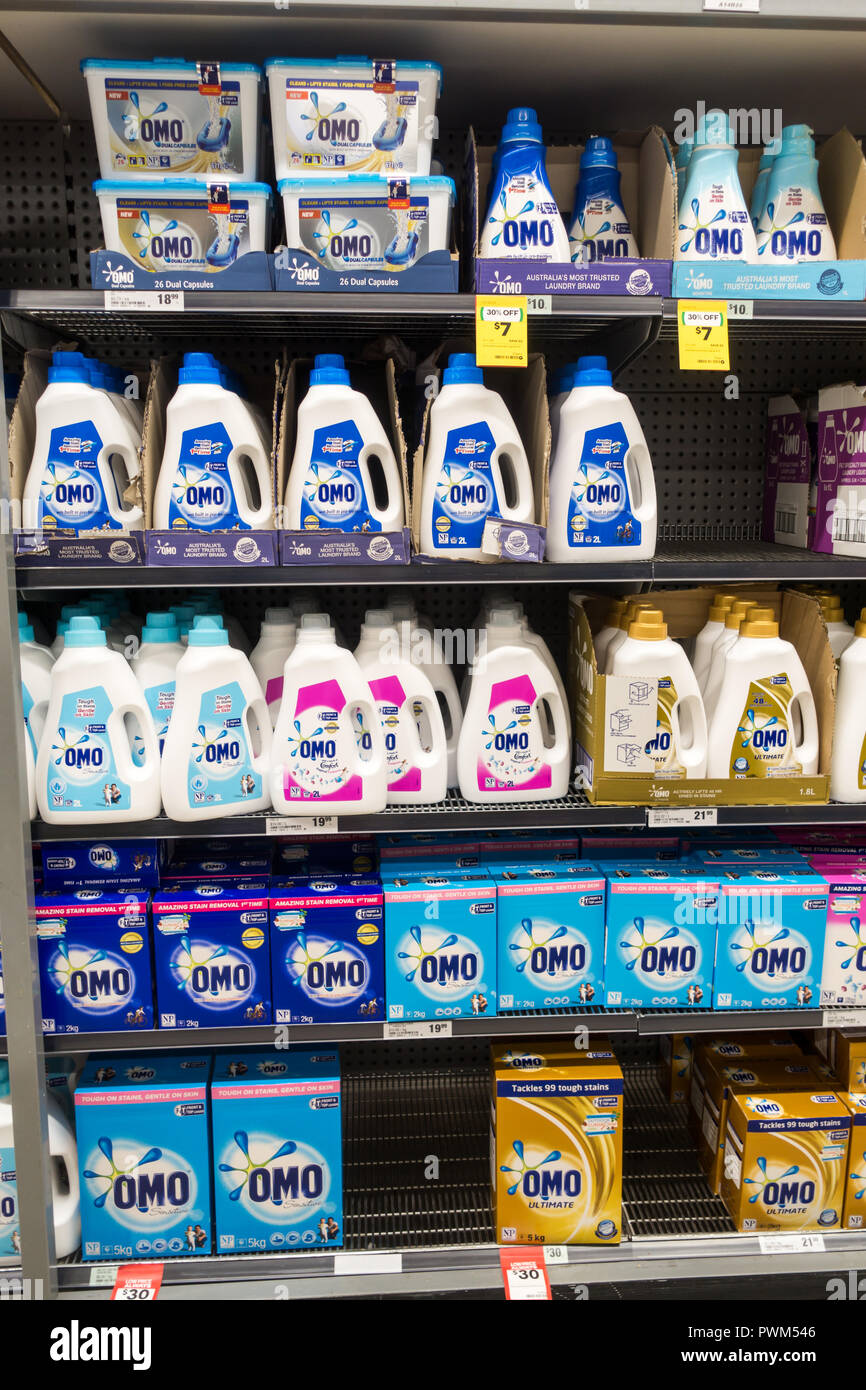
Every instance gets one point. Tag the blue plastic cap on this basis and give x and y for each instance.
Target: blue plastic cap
(161, 620)
(598, 153)
(714, 129)
(207, 633)
(797, 139)
(592, 364)
(166, 632)
(84, 632)
(592, 375)
(199, 369)
(69, 366)
(25, 629)
(462, 369)
(329, 369)
(521, 124)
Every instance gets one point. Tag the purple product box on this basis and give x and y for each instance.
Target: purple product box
(227, 549)
(345, 547)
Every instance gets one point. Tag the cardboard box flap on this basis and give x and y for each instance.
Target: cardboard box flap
(842, 181)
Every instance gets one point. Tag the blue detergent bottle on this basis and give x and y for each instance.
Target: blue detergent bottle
(759, 192)
(714, 222)
(523, 221)
(793, 225)
(600, 229)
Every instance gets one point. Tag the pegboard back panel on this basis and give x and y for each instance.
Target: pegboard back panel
(36, 233)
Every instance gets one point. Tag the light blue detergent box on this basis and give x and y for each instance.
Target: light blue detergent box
(457, 851)
(534, 848)
(661, 933)
(770, 942)
(327, 949)
(550, 925)
(641, 847)
(2, 1000)
(423, 866)
(84, 864)
(94, 952)
(217, 866)
(211, 955)
(440, 946)
(277, 1150)
(144, 1156)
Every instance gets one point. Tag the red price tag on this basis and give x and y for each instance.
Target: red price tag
(524, 1273)
(137, 1283)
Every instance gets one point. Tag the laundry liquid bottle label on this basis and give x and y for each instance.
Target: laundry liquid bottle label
(220, 768)
(82, 774)
(71, 492)
(762, 742)
(465, 494)
(601, 232)
(202, 496)
(512, 749)
(398, 725)
(322, 747)
(793, 227)
(524, 219)
(160, 701)
(599, 506)
(662, 747)
(10, 1232)
(334, 497)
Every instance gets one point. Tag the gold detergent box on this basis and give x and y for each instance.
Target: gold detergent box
(556, 1146)
(786, 1160)
(728, 1050)
(723, 1079)
(674, 1069)
(854, 1210)
(848, 1058)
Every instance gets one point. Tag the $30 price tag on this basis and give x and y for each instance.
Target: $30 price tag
(137, 1283)
(524, 1273)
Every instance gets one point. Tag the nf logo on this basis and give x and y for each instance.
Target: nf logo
(77, 1343)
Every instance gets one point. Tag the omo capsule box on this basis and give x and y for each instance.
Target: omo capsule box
(144, 1156)
(440, 946)
(551, 936)
(277, 1150)
(211, 956)
(327, 949)
(94, 961)
(661, 932)
(770, 943)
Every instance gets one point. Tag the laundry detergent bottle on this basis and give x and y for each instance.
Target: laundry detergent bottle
(764, 723)
(475, 467)
(759, 192)
(96, 716)
(84, 456)
(340, 441)
(714, 222)
(602, 487)
(154, 666)
(428, 654)
(510, 749)
(732, 622)
(678, 748)
(65, 1192)
(36, 666)
(523, 220)
(793, 225)
(709, 635)
(684, 154)
(329, 748)
(600, 229)
(839, 633)
(416, 751)
(276, 643)
(848, 764)
(215, 473)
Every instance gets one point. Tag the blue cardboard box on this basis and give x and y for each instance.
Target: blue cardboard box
(277, 1150)
(440, 946)
(144, 1156)
(325, 854)
(103, 864)
(327, 949)
(211, 955)
(94, 961)
(550, 926)
(661, 932)
(217, 866)
(2, 1001)
(770, 942)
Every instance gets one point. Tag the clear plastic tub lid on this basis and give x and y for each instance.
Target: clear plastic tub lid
(351, 60)
(152, 189)
(370, 183)
(180, 65)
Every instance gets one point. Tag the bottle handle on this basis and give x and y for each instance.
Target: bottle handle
(370, 767)
(262, 518)
(696, 755)
(262, 761)
(638, 465)
(126, 768)
(430, 705)
(131, 515)
(515, 451)
(67, 1204)
(560, 752)
(808, 750)
(393, 481)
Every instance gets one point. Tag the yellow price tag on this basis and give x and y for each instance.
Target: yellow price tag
(702, 332)
(500, 330)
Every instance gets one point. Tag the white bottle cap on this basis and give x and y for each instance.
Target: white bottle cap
(315, 622)
(379, 618)
(279, 617)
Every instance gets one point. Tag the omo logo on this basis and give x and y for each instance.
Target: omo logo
(797, 243)
(335, 492)
(550, 954)
(219, 751)
(166, 242)
(442, 966)
(659, 954)
(161, 130)
(202, 497)
(781, 1190)
(527, 233)
(719, 241)
(73, 494)
(103, 857)
(93, 980)
(772, 957)
(598, 494)
(465, 494)
(215, 976)
(332, 972)
(550, 1179)
(144, 1188)
(316, 739)
(277, 1180)
(81, 757)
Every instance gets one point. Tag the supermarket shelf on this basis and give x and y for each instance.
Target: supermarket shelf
(690, 1021)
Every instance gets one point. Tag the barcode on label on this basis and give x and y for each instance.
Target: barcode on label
(848, 527)
(786, 522)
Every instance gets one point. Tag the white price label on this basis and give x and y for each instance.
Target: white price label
(524, 1274)
(308, 825)
(657, 818)
(741, 309)
(734, 6)
(368, 1262)
(539, 303)
(426, 1028)
(556, 1254)
(784, 1244)
(103, 1276)
(154, 301)
(844, 1018)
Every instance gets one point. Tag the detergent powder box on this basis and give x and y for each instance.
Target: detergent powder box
(785, 1158)
(94, 961)
(854, 1208)
(277, 1150)
(674, 1070)
(736, 856)
(2, 1001)
(729, 1050)
(630, 846)
(770, 944)
(556, 1146)
(327, 949)
(661, 931)
(217, 866)
(843, 979)
(724, 1079)
(326, 854)
(551, 936)
(211, 957)
(440, 946)
(81, 864)
(529, 846)
(144, 1156)
(847, 1057)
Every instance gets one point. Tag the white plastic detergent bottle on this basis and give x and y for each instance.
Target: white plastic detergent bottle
(764, 723)
(84, 456)
(428, 654)
(154, 666)
(340, 441)
(215, 473)
(85, 770)
(36, 666)
(561, 383)
(276, 643)
(602, 487)
(609, 629)
(709, 635)
(681, 165)
(759, 192)
(678, 748)
(714, 222)
(600, 229)
(839, 632)
(793, 225)
(416, 748)
(513, 612)
(848, 763)
(217, 749)
(632, 607)
(732, 623)
(207, 605)
(329, 749)
(65, 1194)
(509, 749)
(30, 768)
(475, 467)
(523, 220)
